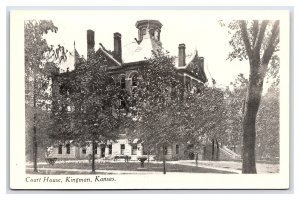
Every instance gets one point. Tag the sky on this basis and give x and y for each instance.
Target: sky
(197, 30)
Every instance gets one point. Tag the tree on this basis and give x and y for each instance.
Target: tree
(40, 62)
(157, 102)
(235, 98)
(204, 113)
(256, 41)
(268, 125)
(86, 113)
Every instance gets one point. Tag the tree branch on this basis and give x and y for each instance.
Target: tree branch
(255, 31)
(245, 37)
(261, 34)
(273, 41)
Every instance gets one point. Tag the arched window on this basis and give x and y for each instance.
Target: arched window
(156, 34)
(151, 32)
(134, 80)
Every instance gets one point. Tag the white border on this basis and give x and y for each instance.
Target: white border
(169, 181)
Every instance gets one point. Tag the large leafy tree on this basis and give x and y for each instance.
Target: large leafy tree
(256, 41)
(86, 113)
(204, 113)
(40, 62)
(268, 125)
(157, 101)
(235, 98)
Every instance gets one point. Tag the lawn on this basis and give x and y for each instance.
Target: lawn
(262, 167)
(122, 166)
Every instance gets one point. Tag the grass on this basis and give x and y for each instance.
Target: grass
(262, 167)
(122, 166)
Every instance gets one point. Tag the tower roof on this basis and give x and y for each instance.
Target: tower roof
(146, 23)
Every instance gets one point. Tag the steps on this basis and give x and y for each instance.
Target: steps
(227, 154)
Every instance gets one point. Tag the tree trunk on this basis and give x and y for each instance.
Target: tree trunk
(196, 159)
(212, 149)
(93, 156)
(218, 151)
(34, 147)
(164, 160)
(249, 119)
(34, 138)
(148, 155)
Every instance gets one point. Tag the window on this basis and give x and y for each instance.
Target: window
(165, 150)
(122, 82)
(134, 149)
(151, 32)
(122, 149)
(177, 149)
(83, 150)
(68, 148)
(60, 149)
(134, 80)
(110, 149)
(122, 102)
(95, 148)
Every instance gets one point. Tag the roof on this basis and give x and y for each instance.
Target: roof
(101, 48)
(70, 60)
(134, 51)
(188, 59)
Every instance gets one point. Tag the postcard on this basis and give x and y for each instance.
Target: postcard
(149, 99)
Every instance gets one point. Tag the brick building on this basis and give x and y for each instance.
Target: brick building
(124, 64)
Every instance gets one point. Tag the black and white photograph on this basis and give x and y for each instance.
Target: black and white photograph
(149, 99)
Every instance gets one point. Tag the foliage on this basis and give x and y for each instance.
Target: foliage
(267, 134)
(86, 114)
(157, 102)
(171, 113)
(267, 144)
(235, 99)
(40, 62)
(258, 42)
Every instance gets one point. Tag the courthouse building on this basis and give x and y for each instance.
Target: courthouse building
(124, 64)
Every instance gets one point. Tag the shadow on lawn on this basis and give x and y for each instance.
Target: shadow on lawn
(122, 168)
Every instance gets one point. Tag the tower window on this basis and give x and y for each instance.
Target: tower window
(151, 32)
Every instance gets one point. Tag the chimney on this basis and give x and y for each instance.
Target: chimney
(117, 47)
(202, 63)
(90, 42)
(181, 55)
